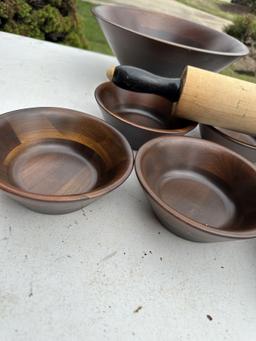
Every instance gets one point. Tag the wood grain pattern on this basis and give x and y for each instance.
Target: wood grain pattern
(60, 156)
(140, 117)
(201, 96)
(199, 190)
(217, 100)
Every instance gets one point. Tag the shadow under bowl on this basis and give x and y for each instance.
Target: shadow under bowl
(164, 44)
(240, 143)
(199, 190)
(55, 160)
(139, 117)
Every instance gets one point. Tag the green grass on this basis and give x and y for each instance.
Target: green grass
(232, 73)
(92, 32)
(97, 42)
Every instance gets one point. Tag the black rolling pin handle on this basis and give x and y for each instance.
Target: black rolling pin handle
(138, 80)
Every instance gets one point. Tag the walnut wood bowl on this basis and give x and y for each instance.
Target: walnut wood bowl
(198, 189)
(139, 117)
(165, 44)
(55, 160)
(240, 143)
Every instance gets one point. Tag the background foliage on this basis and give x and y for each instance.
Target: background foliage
(250, 3)
(52, 20)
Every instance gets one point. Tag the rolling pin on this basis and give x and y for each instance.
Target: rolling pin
(200, 95)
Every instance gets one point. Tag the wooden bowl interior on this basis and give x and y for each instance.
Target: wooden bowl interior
(52, 151)
(202, 181)
(169, 28)
(144, 110)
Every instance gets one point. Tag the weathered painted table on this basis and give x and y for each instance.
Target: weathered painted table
(109, 271)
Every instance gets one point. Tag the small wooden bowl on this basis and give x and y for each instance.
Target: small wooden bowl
(242, 144)
(199, 190)
(55, 160)
(139, 117)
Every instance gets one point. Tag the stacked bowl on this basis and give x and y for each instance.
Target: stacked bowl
(198, 189)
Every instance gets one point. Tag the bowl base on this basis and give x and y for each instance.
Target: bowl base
(143, 116)
(197, 197)
(55, 167)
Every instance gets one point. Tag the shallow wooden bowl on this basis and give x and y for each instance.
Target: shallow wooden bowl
(164, 44)
(199, 190)
(55, 160)
(139, 117)
(242, 144)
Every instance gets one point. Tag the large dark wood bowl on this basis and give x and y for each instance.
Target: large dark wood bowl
(139, 117)
(165, 44)
(198, 189)
(240, 143)
(55, 160)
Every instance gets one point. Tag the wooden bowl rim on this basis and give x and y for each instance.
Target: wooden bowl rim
(192, 223)
(244, 50)
(227, 137)
(178, 131)
(72, 197)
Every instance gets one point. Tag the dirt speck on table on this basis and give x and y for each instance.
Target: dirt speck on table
(137, 309)
(209, 317)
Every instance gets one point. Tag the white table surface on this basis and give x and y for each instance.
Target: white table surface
(81, 276)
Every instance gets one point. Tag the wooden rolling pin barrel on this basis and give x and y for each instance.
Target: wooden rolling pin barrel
(201, 96)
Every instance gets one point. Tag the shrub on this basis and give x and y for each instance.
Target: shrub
(244, 29)
(248, 3)
(52, 20)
